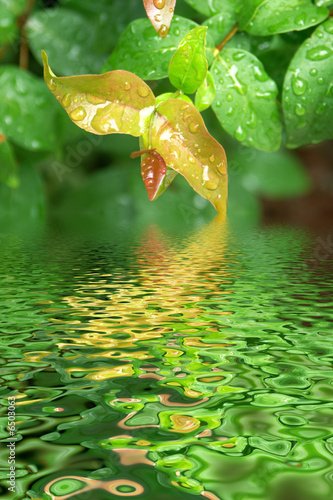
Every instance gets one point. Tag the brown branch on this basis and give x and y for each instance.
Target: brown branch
(227, 38)
(24, 47)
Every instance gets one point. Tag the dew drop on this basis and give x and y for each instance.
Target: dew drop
(212, 158)
(163, 31)
(319, 53)
(193, 127)
(127, 86)
(320, 80)
(66, 100)
(143, 91)
(52, 84)
(259, 75)
(159, 4)
(299, 85)
(300, 110)
(230, 97)
(313, 72)
(78, 114)
(240, 135)
(321, 108)
(191, 159)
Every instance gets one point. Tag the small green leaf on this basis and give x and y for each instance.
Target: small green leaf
(8, 164)
(266, 17)
(205, 94)
(188, 67)
(211, 7)
(116, 102)
(28, 116)
(246, 100)
(308, 90)
(142, 51)
(160, 13)
(179, 135)
(10, 10)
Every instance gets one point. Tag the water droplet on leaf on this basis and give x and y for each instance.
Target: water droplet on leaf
(159, 4)
(78, 114)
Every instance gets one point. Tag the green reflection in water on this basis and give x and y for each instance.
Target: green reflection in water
(173, 365)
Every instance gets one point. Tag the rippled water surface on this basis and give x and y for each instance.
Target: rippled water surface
(149, 362)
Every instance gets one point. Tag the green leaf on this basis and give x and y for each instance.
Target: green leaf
(10, 10)
(66, 37)
(116, 102)
(266, 17)
(205, 94)
(179, 135)
(142, 51)
(221, 24)
(211, 7)
(246, 100)
(308, 90)
(28, 115)
(160, 13)
(7, 163)
(277, 175)
(188, 67)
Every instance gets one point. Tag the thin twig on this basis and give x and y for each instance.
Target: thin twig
(227, 38)
(24, 47)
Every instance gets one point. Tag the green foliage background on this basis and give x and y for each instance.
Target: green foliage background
(283, 60)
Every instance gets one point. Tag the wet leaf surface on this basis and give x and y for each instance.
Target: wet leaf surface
(308, 90)
(188, 67)
(179, 134)
(115, 102)
(246, 100)
(160, 14)
(142, 51)
(153, 171)
(28, 114)
(267, 17)
(205, 94)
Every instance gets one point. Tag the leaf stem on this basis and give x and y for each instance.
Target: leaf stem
(227, 38)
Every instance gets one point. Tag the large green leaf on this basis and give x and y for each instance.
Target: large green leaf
(68, 39)
(160, 14)
(8, 163)
(308, 90)
(211, 7)
(221, 24)
(179, 135)
(266, 17)
(116, 102)
(10, 10)
(142, 51)
(188, 67)
(246, 100)
(28, 115)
